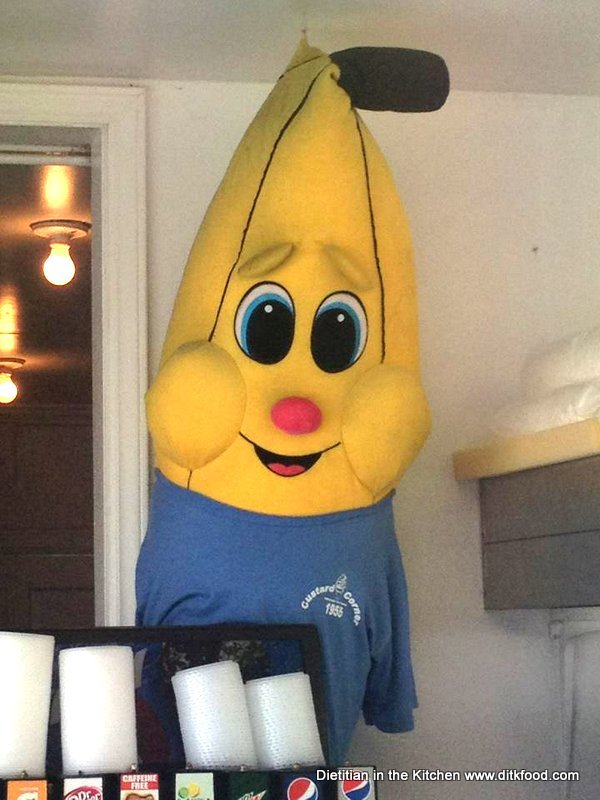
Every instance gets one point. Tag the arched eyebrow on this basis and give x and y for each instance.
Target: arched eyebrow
(355, 273)
(267, 261)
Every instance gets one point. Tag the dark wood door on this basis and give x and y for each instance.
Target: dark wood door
(46, 518)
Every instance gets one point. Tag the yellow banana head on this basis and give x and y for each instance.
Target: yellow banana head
(289, 380)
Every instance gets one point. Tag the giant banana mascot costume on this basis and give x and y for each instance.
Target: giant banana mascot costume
(288, 401)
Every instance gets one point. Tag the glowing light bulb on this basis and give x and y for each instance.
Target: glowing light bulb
(8, 388)
(59, 268)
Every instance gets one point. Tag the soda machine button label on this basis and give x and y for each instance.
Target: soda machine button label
(83, 789)
(136, 786)
(194, 786)
(27, 790)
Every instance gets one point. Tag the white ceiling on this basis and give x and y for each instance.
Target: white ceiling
(496, 45)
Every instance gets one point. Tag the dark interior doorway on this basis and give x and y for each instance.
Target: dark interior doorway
(46, 463)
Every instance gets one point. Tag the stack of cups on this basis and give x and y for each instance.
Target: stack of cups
(213, 716)
(283, 721)
(97, 701)
(25, 684)
(269, 723)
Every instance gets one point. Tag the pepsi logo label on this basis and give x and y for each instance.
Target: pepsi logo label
(356, 790)
(302, 789)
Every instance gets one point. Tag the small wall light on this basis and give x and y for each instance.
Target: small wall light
(8, 388)
(59, 268)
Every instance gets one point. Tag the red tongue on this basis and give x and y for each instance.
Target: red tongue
(287, 470)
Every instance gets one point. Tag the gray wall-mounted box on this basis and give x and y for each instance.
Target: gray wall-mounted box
(541, 536)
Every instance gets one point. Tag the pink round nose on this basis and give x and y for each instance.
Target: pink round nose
(296, 415)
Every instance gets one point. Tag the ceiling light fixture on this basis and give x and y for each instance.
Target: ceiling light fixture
(59, 268)
(8, 388)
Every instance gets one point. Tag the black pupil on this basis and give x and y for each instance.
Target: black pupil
(334, 340)
(269, 332)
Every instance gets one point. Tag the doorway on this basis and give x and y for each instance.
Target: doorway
(112, 120)
(46, 471)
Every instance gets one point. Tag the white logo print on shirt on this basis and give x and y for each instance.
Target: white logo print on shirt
(336, 598)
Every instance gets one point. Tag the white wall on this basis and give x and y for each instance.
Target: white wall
(485, 181)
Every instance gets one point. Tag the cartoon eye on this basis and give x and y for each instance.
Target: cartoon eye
(339, 332)
(264, 323)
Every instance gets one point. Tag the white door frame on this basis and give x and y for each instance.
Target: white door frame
(116, 116)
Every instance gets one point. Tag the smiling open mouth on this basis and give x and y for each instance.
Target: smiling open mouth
(286, 466)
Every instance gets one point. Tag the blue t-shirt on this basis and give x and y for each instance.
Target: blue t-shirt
(203, 562)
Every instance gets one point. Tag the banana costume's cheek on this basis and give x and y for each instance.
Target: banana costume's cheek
(195, 408)
(385, 423)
